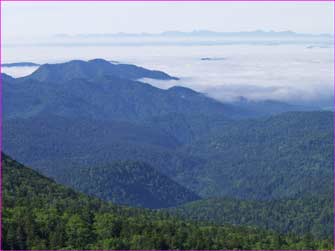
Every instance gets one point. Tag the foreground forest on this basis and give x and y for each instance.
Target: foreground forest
(40, 214)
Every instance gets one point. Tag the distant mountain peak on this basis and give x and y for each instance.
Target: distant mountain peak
(99, 61)
(93, 69)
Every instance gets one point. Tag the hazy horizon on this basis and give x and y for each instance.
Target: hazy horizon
(155, 17)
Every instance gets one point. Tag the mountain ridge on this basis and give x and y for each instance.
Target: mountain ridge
(199, 33)
(75, 69)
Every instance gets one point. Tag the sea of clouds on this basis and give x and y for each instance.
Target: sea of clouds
(298, 74)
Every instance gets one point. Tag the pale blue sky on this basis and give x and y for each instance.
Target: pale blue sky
(37, 19)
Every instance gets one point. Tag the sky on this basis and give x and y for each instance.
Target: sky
(32, 20)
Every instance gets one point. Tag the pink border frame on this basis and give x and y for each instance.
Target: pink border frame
(156, 1)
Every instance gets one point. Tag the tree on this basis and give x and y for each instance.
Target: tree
(106, 226)
(78, 232)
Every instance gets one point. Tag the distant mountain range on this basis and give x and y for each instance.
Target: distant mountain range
(181, 38)
(200, 33)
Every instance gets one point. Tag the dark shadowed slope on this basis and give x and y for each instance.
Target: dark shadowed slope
(128, 183)
(51, 142)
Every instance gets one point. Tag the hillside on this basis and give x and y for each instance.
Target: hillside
(128, 183)
(312, 215)
(284, 156)
(40, 214)
(54, 145)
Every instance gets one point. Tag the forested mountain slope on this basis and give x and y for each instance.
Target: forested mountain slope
(54, 145)
(128, 183)
(40, 214)
(313, 215)
(287, 155)
(282, 156)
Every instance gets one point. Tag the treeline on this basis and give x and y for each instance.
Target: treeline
(40, 214)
